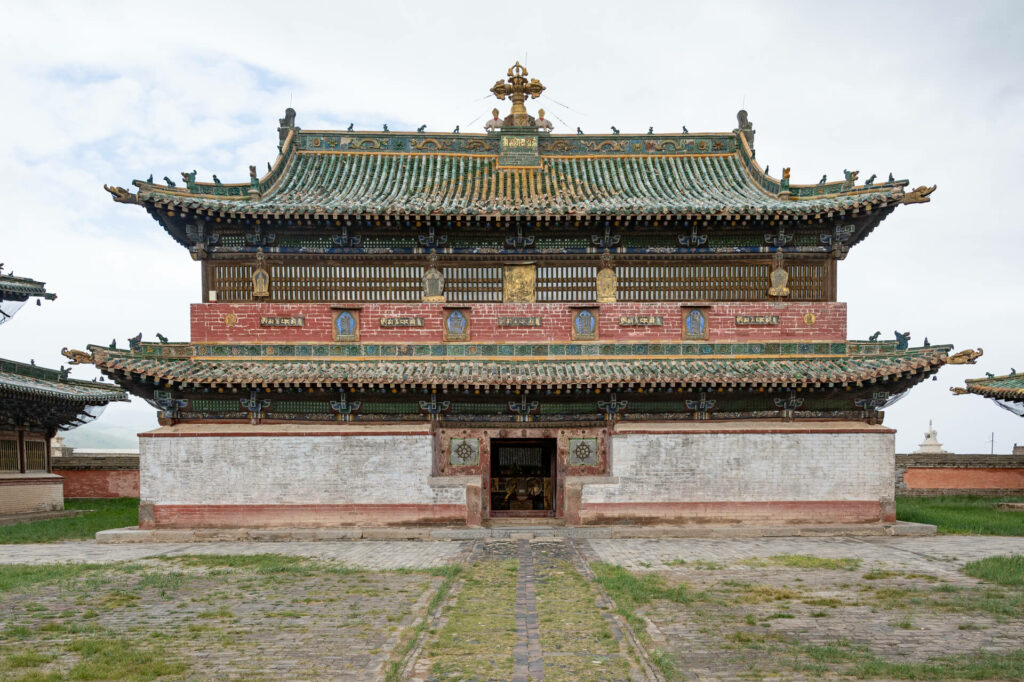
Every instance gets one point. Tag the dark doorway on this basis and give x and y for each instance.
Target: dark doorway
(522, 481)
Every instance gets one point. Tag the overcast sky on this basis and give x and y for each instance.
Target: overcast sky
(107, 92)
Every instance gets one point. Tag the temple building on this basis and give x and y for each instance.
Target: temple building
(35, 403)
(1006, 391)
(453, 328)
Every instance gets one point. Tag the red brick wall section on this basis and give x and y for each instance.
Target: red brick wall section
(304, 515)
(210, 322)
(966, 479)
(99, 483)
(769, 513)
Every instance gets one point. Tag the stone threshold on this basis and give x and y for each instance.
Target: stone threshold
(134, 534)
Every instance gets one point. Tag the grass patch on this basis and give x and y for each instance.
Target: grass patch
(1002, 570)
(264, 564)
(804, 561)
(106, 658)
(102, 515)
(962, 514)
(573, 627)
(479, 632)
(629, 592)
(13, 576)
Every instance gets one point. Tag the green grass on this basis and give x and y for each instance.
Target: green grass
(479, 629)
(804, 561)
(1002, 570)
(962, 514)
(103, 515)
(629, 592)
(13, 576)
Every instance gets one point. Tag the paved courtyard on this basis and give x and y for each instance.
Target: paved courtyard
(550, 608)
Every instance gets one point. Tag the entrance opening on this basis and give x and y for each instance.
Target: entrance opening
(523, 477)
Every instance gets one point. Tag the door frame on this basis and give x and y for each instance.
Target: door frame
(552, 445)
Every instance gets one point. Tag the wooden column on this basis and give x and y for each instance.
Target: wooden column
(22, 463)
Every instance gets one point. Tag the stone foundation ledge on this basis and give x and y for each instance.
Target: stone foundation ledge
(133, 534)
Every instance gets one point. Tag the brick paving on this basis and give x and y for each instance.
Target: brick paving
(527, 658)
(750, 618)
(375, 554)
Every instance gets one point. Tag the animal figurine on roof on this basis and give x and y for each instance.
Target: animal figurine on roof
(350, 127)
(870, 181)
(902, 340)
(650, 131)
(874, 337)
(579, 131)
(824, 179)
(685, 130)
(386, 129)
(456, 131)
(615, 131)
(421, 128)
(170, 183)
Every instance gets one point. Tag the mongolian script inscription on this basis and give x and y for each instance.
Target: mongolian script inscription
(401, 321)
(757, 320)
(519, 322)
(519, 150)
(640, 321)
(294, 321)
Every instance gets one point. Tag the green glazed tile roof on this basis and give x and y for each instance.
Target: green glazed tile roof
(128, 367)
(28, 381)
(21, 288)
(1006, 387)
(328, 173)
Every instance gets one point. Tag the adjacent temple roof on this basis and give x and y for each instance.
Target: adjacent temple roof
(1008, 388)
(36, 396)
(22, 288)
(518, 168)
(175, 365)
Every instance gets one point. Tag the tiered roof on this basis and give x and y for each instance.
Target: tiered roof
(539, 366)
(336, 174)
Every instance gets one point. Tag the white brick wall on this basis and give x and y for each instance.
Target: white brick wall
(748, 467)
(291, 470)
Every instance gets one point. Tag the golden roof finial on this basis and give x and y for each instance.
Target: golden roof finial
(518, 89)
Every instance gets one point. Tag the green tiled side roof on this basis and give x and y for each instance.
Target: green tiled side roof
(749, 372)
(337, 174)
(1006, 387)
(21, 288)
(20, 379)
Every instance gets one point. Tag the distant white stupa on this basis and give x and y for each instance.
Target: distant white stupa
(930, 445)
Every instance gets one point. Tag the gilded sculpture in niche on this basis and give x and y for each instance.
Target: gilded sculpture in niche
(520, 284)
(607, 285)
(779, 278)
(260, 279)
(433, 286)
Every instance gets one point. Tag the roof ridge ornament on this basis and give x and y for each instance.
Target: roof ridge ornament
(518, 89)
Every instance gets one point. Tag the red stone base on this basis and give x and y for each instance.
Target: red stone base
(102, 483)
(768, 513)
(299, 515)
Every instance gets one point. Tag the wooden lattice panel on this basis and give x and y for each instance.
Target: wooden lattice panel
(9, 455)
(472, 284)
(345, 283)
(567, 284)
(724, 282)
(35, 455)
(232, 282)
